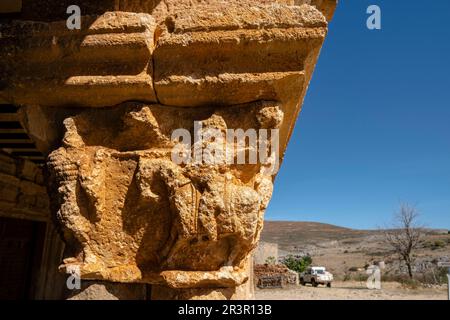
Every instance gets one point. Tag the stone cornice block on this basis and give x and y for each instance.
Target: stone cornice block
(105, 63)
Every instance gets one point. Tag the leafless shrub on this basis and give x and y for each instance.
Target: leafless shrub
(405, 235)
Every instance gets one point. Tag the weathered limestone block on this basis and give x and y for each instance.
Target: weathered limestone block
(235, 54)
(103, 290)
(240, 292)
(44, 125)
(108, 104)
(23, 191)
(107, 62)
(51, 10)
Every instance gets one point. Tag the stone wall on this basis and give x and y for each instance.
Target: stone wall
(22, 190)
(274, 276)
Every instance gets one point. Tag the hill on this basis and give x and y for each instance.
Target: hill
(299, 233)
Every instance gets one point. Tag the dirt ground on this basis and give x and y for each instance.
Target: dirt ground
(352, 290)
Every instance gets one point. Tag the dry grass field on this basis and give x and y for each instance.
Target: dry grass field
(345, 252)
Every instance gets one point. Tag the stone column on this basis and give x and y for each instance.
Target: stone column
(136, 113)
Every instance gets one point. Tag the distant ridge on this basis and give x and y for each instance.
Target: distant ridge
(289, 233)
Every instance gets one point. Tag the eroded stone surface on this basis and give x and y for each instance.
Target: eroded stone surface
(129, 213)
(50, 10)
(107, 62)
(232, 55)
(22, 189)
(102, 290)
(134, 214)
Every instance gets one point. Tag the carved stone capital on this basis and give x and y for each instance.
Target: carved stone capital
(117, 104)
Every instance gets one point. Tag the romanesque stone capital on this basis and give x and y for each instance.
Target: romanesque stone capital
(141, 193)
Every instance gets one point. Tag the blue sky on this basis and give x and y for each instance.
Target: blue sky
(375, 126)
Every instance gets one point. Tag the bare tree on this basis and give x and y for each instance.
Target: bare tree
(405, 235)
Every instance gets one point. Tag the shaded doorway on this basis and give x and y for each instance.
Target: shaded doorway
(21, 246)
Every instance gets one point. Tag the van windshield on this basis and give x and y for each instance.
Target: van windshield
(320, 271)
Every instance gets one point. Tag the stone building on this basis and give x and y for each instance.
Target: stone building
(30, 248)
(88, 116)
